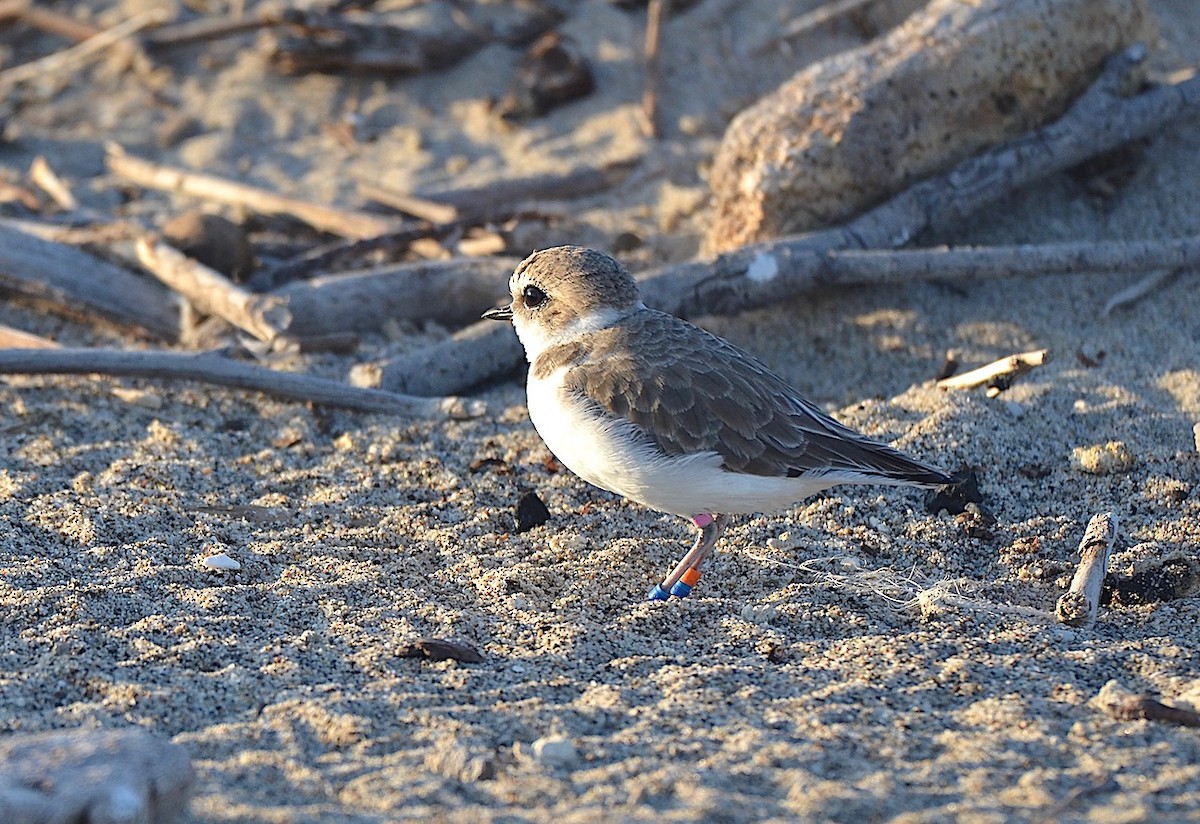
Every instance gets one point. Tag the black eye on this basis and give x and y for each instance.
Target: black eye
(533, 296)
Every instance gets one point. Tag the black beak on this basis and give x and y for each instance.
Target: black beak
(499, 313)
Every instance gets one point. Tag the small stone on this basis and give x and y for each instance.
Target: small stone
(1103, 459)
(1196, 436)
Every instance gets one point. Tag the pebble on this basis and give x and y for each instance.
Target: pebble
(220, 561)
(551, 751)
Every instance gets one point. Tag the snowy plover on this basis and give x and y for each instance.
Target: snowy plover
(646, 405)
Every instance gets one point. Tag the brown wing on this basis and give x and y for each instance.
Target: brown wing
(691, 391)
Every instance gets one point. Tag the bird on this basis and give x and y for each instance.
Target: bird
(663, 413)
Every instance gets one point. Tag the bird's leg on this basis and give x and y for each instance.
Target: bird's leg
(686, 573)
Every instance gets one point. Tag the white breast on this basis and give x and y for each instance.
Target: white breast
(611, 454)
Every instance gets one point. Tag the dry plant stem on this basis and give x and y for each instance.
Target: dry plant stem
(50, 183)
(11, 338)
(212, 293)
(206, 187)
(222, 371)
(76, 55)
(655, 13)
(766, 273)
(1143, 707)
(1079, 605)
(1005, 367)
(78, 284)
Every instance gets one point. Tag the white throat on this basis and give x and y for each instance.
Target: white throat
(536, 337)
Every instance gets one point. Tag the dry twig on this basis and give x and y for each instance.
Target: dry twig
(216, 369)
(1080, 603)
(326, 218)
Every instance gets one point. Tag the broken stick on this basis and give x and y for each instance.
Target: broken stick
(212, 293)
(216, 369)
(1008, 368)
(1080, 604)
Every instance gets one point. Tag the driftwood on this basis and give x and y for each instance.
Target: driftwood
(219, 370)
(853, 129)
(73, 282)
(479, 352)
(343, 222)
(767, 273)
(854, 267)
(449, 292)
(1081, 602)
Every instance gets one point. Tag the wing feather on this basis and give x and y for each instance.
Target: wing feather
(690, 391)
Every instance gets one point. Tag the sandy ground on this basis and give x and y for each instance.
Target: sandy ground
(852, 660)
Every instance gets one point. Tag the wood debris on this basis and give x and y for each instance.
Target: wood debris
(1080, 604)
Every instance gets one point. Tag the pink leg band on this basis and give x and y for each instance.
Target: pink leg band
(702, 520)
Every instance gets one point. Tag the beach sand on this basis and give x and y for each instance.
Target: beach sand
(853, 659)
